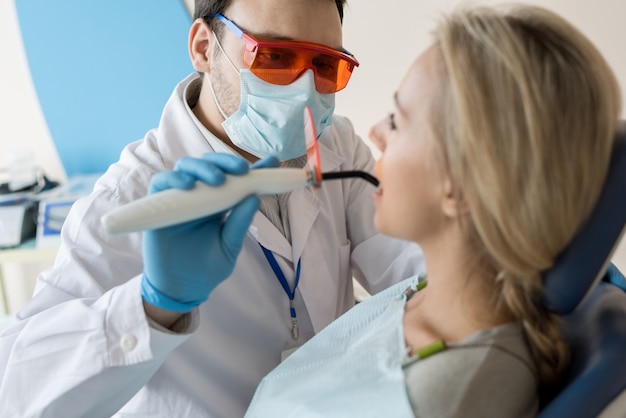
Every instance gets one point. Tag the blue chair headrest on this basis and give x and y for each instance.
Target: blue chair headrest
(583, 263)
(596, 334)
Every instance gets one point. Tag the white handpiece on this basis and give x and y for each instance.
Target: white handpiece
(174, 206)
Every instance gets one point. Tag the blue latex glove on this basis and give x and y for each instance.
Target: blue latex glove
(184, 263)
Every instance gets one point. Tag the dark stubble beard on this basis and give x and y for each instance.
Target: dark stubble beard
(226, 93)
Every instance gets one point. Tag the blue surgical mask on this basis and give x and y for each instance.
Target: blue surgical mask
(270, 118)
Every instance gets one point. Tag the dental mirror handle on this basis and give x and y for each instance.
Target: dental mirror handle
(174, 206)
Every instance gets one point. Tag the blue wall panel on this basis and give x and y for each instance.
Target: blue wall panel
(103, 71)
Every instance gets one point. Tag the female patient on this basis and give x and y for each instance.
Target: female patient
(493, 158)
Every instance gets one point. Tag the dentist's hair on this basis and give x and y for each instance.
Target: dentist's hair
(527, 120)
(205, 8)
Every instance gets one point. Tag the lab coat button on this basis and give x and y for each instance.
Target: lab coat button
(129, 342)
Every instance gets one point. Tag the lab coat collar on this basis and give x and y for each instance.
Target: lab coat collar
(329, 159)
(263, 231)
(303, 207)
(177, 121)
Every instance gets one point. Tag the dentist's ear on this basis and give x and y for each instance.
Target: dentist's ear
(201, 38)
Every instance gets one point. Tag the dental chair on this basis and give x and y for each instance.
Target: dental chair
(590, 294)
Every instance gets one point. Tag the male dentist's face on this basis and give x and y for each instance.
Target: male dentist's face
(303, 20)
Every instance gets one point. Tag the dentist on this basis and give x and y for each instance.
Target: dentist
(172, 322)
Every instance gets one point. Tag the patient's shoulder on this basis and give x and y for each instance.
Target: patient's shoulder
(490, 373)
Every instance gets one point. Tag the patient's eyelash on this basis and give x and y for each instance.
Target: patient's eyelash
(392, 121)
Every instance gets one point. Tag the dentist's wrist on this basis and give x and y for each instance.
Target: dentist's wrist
(155, 297)
(164, 318)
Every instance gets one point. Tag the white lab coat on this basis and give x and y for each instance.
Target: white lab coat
(83, 346)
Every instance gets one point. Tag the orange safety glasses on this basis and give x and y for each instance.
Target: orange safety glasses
(282, 62)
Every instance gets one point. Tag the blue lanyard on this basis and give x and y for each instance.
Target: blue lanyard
(295, 331)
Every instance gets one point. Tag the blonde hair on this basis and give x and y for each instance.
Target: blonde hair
(527, 121)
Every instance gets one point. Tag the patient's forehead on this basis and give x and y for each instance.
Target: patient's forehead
(420, 85)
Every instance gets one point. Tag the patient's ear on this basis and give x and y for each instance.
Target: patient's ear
(453, 204)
